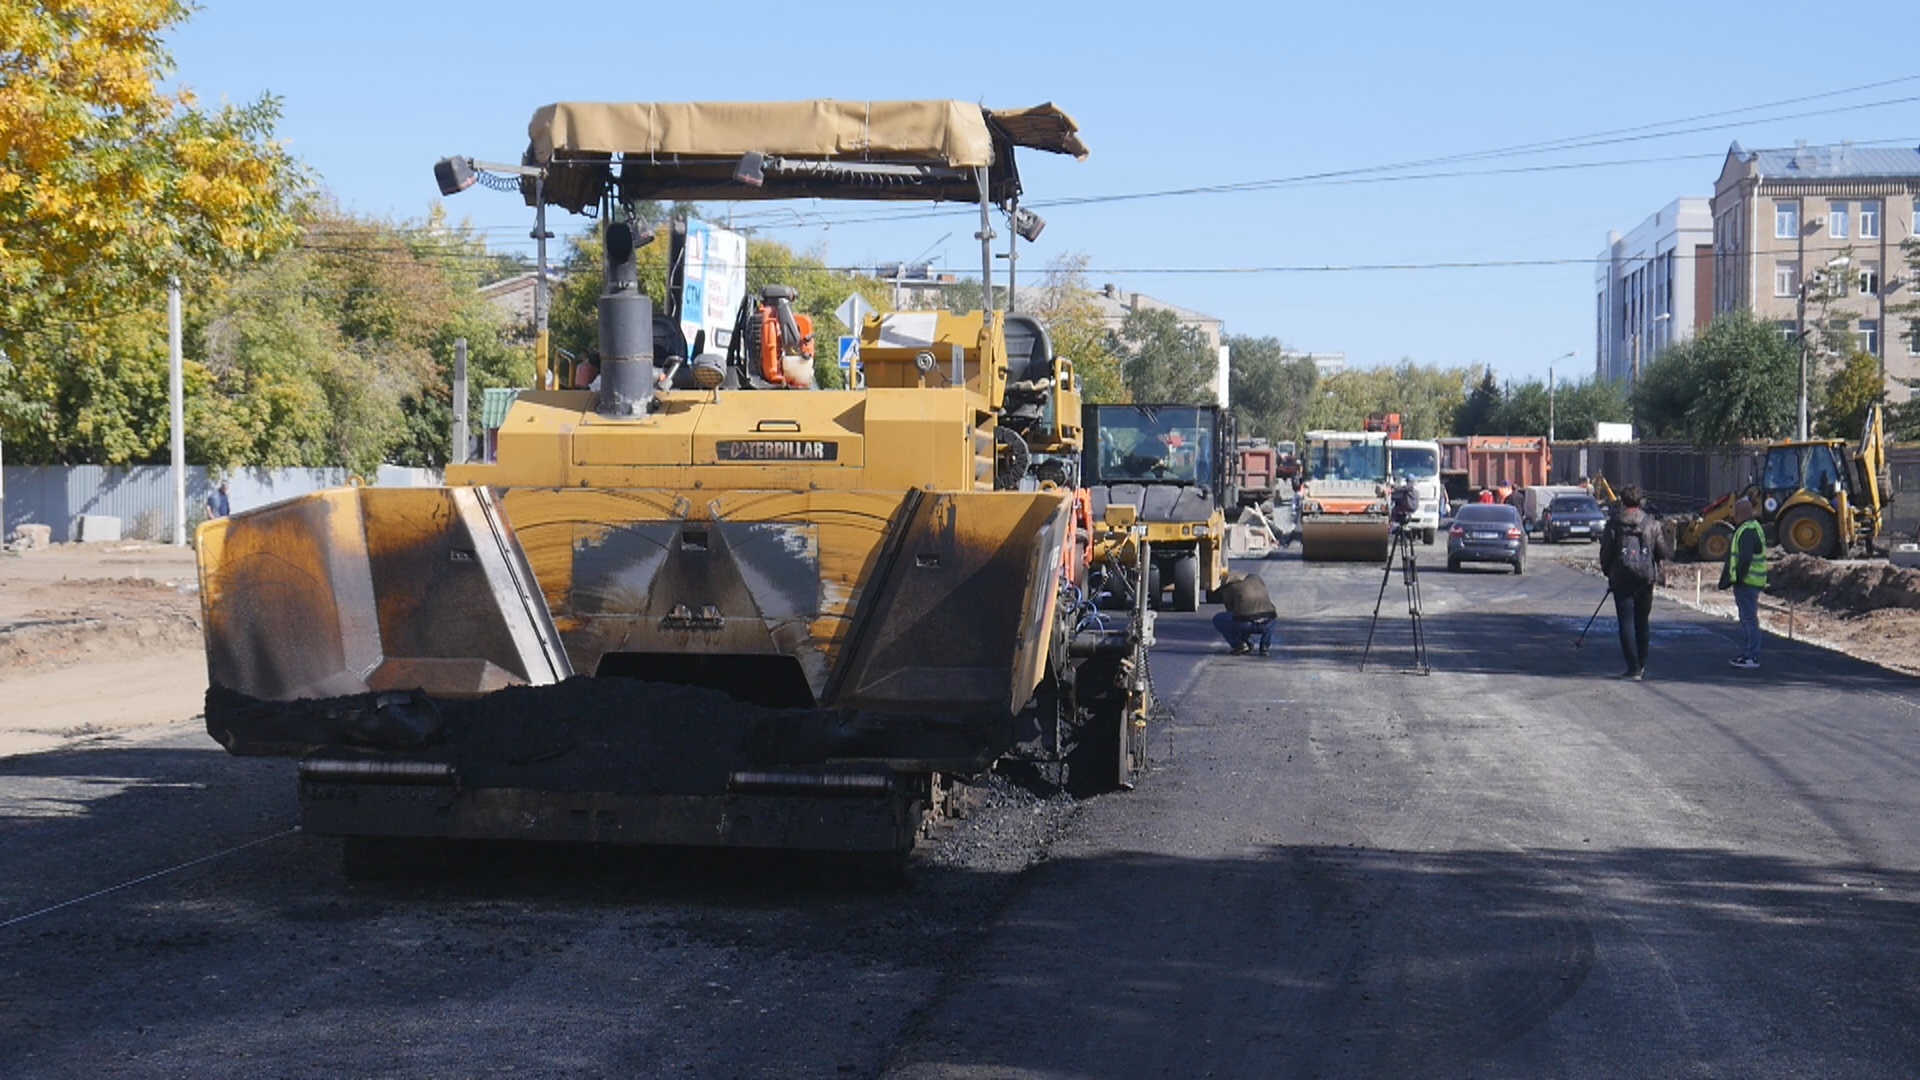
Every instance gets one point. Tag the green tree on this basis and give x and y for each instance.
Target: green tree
(1270, 390)
(1479, 414)
(1736, 380)
(1426, 398)
(1163, 361)
(1523, 410)
(1580, 407)
(1903, 420)
(1853, 388)
(1065, 306)
(340, 352)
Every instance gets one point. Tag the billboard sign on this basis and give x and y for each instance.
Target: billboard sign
(714, 281)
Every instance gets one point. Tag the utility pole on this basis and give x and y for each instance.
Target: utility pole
(1800, 316)
(459, 456)
(4, 365)
(177, 412)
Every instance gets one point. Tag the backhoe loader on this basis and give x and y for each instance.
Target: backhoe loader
(1819, 497)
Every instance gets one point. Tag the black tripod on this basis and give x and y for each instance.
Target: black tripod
(1401, 549)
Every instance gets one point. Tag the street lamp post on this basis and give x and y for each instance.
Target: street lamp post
(457, 174)
(1568, 355)
(1837, 264)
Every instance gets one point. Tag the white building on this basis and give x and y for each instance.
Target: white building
(1324, 363)
(1653, 287)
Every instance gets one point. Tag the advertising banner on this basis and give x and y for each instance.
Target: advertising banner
(715, 281)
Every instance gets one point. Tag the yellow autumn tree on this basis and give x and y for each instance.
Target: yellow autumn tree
(109, 184)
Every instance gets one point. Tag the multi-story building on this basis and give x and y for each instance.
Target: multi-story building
(1324, 363)
(1804, 234)
(1652, 287)
(1115, 304)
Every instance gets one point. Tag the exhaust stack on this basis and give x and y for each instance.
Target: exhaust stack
(626, 324)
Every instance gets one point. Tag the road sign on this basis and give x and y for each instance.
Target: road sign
(849, 352)
(852, 313)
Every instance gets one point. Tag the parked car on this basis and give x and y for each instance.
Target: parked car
(1487, 532)
(1572, 517)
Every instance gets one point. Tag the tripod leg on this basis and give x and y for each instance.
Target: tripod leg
(1377, 601)
(1410, 567)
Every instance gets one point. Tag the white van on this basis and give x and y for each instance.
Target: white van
(1419, 460)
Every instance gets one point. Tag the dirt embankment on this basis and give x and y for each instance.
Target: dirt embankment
(1844, 588)
(97, 641)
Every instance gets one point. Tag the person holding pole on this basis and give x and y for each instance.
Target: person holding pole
(1746, 574)
(1633, 549)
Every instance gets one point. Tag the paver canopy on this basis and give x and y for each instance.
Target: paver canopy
(915, 150)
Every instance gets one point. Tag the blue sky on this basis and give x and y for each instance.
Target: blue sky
(1168, 97)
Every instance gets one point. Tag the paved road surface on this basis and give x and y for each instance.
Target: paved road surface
(1517, 866)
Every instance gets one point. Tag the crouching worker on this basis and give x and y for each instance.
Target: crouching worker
(1248, 615)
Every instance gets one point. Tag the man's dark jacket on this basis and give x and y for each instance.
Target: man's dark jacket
(1246, 598)
(1654, 536)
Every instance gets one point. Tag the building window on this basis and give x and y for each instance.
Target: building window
(1867, 335)
(1913, 336)
(1837, 220)
(1788, 330)
(1786, 220)
(1869, 221)
(1786, 278)
(1869, 281)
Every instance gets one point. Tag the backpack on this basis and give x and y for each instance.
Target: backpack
(1636, 555)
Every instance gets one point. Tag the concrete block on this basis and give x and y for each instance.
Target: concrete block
(33, 537)
(1905, 555)
(1248, 541)
(98, 529)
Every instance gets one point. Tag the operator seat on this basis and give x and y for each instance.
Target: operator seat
(1029, 371)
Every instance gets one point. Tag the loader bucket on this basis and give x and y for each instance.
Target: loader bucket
(362, 590)
(1344, 538)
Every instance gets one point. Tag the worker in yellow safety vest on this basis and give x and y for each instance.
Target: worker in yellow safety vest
(1746, 574)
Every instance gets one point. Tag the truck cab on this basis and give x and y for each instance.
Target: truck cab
(1418, 461)
(1171, 463)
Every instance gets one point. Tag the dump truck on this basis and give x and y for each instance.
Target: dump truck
(1819, 497)
(1476, 463)
(1170, 464)
(707, 604)
(1256, 473)
(1345, 513)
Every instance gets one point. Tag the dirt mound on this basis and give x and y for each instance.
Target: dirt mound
(68, 621)
(1852, 588)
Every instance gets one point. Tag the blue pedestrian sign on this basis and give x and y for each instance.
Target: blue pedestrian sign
(849, 352)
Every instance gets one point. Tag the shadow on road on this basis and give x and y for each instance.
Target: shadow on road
(1400, 963)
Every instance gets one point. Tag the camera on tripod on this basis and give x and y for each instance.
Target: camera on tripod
(1404, 502)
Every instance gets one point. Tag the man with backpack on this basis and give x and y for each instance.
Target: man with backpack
(1633, 547)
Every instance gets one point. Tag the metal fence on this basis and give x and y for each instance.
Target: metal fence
(141, 496)
(1676, 477)
(1679, 478)
(1903, 513)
